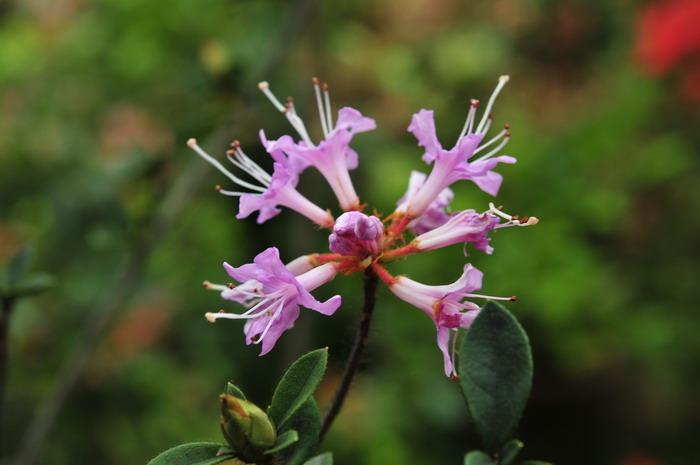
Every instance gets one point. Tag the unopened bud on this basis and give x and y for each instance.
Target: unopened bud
(246, 427)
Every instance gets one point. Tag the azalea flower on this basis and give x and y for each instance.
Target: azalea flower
(452, 165)
(273, 191)
(274, 295)
(332, 157)
(445, 306)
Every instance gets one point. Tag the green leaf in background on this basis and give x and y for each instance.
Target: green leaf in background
(495, 368)
(509, 451)
(233, 390)
(476, 457)
(33, 284)
(283, 441)
(307, 422)
(297, 385)
(324, 459)
(196, 453)
(18, 264)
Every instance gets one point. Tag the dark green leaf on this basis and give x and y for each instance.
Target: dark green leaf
(324, 459)
(476, 457)
(509, 451)
(233, 390)
(196, 453)
(284, 440)
(307, 422)
(495, 368)
(298, 384)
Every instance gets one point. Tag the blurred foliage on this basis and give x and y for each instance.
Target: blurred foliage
(98, 98)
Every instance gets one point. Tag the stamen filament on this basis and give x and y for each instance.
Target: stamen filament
(502, 81)
(327, 99)
(192, 143)
(497, 149)
(491, 141)
(321, 111)
(276, 314)
(468, 124)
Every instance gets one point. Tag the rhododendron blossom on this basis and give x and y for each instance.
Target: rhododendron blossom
(358, 242)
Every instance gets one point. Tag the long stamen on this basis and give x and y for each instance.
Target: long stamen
(506, 138)
(275, 315)
(327, 99)
(512, 220)
(502, 81)
(469, 123)
(321, 111)
(291, 116)
(215, 287)
(192, 143)
(493, 139)
(480, 296)
(244, 162)
(230, 193)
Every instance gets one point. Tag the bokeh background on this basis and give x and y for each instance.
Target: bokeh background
(97, 100)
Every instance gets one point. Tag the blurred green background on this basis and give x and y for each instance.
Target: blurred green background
(97, 100)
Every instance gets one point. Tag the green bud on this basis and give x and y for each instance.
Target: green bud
(246, 427)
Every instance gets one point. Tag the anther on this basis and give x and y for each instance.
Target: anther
(192, 142)
(506, 127)
(218, 188)
(324, 87)
(314, 80)
(513, 298)
(230, 285)
(263, 85)
(211, 317)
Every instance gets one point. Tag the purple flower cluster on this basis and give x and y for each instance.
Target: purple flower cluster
(274, 292)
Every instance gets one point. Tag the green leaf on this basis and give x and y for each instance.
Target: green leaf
(495, 368)
(535, 462)
(298, 384)
(476, 457)
(307, 422)
(324, 459)
(196, 453)
(509, 451)
(235, 391)
(283, 440)
(33, 284)
(18, 264)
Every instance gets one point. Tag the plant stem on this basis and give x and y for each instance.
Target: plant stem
(370, 288)
(6, 305)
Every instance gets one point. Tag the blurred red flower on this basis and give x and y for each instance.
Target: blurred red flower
(668, 39)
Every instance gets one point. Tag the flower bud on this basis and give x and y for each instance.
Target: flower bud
(247, 429)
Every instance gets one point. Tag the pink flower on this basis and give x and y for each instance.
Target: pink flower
(275, 295)
(443, 305)
(452, 165)
(355, 233)
(271, 192)
(332, 157)
(462, 227)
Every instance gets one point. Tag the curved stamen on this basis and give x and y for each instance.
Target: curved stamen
(502, 81)
(292, 117)
(493, 152)
(192, 143)
(493, 139)
(469, 123)
(275, 315)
